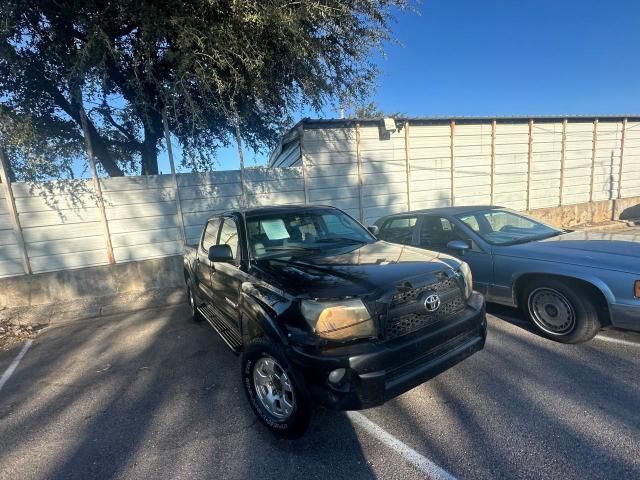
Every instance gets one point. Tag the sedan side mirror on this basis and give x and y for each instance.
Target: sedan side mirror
(220, 253)
(458, 246)
(374, 230)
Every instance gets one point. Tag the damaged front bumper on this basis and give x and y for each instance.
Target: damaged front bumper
(375, 372)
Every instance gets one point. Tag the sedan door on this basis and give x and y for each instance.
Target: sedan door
(436, 231)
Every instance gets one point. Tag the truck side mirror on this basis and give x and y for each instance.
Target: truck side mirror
(220, 253)
(458, 246)
(374, 230)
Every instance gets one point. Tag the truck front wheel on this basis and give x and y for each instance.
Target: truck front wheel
(274, 394)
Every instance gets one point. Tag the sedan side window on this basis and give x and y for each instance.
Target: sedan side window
(210, 234)
(437, 232)
(229, 235)
(398, 230)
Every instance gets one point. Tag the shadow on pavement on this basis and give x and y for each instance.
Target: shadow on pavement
(152, 394)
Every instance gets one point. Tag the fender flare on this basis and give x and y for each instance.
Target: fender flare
(256, 321)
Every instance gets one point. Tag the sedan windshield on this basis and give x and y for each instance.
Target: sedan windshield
(303, 232)
(503, 227)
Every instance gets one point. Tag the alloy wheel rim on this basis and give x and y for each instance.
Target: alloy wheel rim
(273, 388)
(551, 311)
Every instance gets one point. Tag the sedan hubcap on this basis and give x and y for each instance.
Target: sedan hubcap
(274, 388)
(551, 311)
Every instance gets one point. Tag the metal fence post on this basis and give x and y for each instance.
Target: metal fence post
(359, 162)
(13, 212)
(493, 161)
(303, 159)
(624, 131)
(563, 158)
(407, 165)
(453, 162)
(167, 138)
(529, 163)
(97, 187)
(593, 159)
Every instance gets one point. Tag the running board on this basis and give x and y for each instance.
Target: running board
(229, 335)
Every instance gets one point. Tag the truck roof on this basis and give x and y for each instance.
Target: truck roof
(252, 211)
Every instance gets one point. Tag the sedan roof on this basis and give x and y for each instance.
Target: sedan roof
(448, 210)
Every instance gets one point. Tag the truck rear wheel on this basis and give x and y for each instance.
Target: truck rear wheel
(273, 390)
(193, 305)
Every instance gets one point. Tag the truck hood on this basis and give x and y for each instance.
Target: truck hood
(351, 270)
(611, 251)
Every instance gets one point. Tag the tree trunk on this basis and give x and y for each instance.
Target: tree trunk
(102, 153)
(152, 133)
(149, 157)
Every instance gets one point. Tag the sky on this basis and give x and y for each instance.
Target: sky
(505, 57)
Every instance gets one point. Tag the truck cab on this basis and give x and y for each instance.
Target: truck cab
(321, 311)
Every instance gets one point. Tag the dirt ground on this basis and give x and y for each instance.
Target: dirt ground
(12, 333)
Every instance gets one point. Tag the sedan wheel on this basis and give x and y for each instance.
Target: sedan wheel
(561, 309)
(551, 311)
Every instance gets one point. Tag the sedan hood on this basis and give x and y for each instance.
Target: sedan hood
(354, 270)
(611, 251)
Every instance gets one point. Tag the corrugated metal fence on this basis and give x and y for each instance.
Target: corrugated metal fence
(360, 169)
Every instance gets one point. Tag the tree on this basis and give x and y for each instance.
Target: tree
(371, 110)
(210, 65)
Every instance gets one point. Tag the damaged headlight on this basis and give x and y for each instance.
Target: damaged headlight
(338, 319)
(465, 271)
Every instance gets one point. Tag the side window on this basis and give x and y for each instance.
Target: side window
(229, 235)
(398, 230)
(436, 232)
(210, 234)
(472, 222)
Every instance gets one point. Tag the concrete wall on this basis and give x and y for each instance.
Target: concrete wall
(550, 167)
(61, 221)
(525, 164)
(91, 282)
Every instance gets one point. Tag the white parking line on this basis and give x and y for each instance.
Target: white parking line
(618, 341)
(426, 466)
(9, 371)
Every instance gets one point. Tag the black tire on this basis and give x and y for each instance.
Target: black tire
(294, 424)
(560, 310)
(196, 316)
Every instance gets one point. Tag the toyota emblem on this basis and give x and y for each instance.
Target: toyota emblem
(432, 303)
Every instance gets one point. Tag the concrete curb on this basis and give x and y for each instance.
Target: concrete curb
(92, 307)
(616, 224)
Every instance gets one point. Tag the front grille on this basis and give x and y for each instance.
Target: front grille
(407, 314)
(412, 294)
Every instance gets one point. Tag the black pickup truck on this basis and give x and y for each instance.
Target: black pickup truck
(321, 311)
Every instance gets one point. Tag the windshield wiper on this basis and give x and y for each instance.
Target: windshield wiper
(533, 239)
(340, 240)
(291, 248)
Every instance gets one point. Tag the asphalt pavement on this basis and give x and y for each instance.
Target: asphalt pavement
(153, 395)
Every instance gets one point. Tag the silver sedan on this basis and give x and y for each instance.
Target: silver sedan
(569, 284)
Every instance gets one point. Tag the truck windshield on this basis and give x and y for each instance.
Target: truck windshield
(308, 231)
(502, 227)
